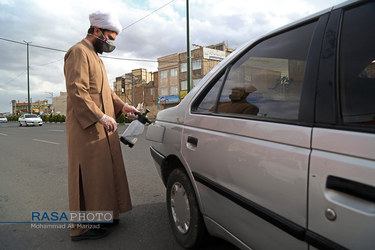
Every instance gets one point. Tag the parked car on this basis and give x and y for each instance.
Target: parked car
(3, 119)
(275, 147)
(30, 119)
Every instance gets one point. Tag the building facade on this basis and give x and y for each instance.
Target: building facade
(168, 86)
(59, 104)
(138, 88)
(168, 68)
(173, 84)
(39, 107)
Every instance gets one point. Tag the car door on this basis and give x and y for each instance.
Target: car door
(247, 139)
(342, 170)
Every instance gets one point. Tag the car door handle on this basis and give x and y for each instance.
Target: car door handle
(192, 140)
(350, 187)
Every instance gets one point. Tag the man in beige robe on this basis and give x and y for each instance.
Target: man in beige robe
(96, 173)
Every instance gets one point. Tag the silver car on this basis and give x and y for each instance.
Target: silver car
(30, 120)
(275, 148)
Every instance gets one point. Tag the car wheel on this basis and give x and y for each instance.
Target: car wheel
(20, 124)
(184, 215)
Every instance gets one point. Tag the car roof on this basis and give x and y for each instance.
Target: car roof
(308, 18)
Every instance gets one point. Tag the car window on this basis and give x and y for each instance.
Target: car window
(209, 101)
(31, 116)
(357, 66)
(266, 81)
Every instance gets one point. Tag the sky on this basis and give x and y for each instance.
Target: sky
(61, 24)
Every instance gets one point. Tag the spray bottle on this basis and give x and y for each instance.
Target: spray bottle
(135, 129)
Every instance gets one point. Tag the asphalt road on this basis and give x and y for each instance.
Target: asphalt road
(33, 177)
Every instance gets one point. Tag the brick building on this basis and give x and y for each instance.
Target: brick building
(173, 85)
(139, 89)
(37, 107)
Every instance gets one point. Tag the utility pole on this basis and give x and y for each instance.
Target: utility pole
(188, 46)
(28, 79)
(133, 101)
(133, 87)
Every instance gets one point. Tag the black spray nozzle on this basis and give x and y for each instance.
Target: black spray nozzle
(143, 117)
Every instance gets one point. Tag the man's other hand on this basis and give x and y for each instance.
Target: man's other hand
(108, 122)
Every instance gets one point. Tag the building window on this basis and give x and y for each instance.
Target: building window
(164, 91)
(174, 90)
(152, 91)
(183, 67)
(183, 85)
(164, 74)
(174, 72)
(197, 64)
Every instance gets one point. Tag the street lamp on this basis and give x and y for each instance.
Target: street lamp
(188, 46)
(51, 94)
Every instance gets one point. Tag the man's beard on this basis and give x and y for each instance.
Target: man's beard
(98, 46)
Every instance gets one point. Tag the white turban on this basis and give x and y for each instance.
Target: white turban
(106, 21)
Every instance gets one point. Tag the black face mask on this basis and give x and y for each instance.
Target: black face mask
(103, 45)
(98, 46)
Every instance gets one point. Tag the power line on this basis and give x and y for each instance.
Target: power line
(49, 63)
(128, 59)
(148, 15)
(60, 50)
(14, 78)
(108, 57)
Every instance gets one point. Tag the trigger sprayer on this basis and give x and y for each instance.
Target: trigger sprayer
(135, 129)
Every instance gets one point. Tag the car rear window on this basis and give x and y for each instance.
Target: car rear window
(357, 66)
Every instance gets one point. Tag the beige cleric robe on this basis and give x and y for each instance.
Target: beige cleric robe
(96, 173)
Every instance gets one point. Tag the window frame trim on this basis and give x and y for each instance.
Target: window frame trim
(338, 107)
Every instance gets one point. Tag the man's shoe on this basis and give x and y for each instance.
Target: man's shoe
(92, 234)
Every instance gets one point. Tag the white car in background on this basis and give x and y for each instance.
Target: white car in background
(30, 119)
(3, 119)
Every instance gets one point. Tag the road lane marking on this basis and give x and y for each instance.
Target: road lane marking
(3, 134)
(50, 142)
(56, 130)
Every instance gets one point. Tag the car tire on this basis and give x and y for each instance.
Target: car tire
(20, 124)
(184, 214)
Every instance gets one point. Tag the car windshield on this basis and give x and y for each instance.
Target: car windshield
(31, 116)
(2, 116)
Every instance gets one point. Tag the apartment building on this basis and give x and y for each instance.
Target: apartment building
(59, 103)
(173, 85)
(138, 88)
(37, 107)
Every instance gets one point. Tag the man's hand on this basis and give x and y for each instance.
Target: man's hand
(128, 109)
(108, 122)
